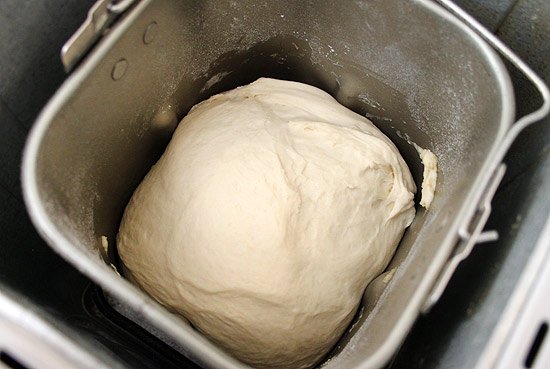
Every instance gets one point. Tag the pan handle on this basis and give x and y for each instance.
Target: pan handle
(507, 53)
(468, 239)
(102, 14)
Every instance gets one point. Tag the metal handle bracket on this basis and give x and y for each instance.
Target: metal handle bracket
(469, 235)
(102, 14)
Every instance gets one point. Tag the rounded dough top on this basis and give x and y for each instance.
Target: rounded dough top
(270, 211)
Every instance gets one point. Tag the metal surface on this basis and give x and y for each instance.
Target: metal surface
(506, 52)
(28, 340)
(459, 329)
(72, 182)
(470, 238)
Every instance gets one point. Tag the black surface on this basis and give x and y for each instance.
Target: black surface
(30, 72)
(32, 33)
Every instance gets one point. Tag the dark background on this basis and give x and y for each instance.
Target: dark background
(451, 336)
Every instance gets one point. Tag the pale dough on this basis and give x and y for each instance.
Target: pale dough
(268, 214)
(429, 176)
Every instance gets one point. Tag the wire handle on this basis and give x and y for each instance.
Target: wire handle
(507, 53)
(469, 239)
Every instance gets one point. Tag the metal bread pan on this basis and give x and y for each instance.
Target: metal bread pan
(416, 70)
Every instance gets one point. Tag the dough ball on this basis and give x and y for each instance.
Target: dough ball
(268, 214)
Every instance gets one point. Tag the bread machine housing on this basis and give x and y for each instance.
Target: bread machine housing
(420, 74)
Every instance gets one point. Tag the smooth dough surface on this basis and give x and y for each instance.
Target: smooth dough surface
(270, 211)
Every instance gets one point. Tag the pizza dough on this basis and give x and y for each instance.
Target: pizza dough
(268, 214)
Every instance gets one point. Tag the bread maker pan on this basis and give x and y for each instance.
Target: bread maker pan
(422, 71)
